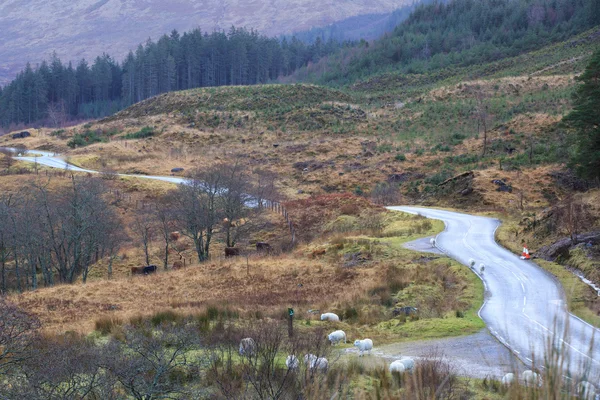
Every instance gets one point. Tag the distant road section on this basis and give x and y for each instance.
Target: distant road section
(525, 307)
(53, 160)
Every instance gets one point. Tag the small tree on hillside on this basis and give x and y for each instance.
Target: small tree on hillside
(585, 118)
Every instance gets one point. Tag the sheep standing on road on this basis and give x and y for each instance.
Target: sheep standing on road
(531, 378)
(247, 347)
(397, 366)
(481, 268)
(330, 317)
(508, 379)
(432, 242)
(364, 345)
(471, 263)
(337, 336)
(292, 362)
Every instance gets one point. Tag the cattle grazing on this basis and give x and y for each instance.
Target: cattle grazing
(263, 247)
(177, 265)
(174, 236)
(232, 251)
(144, 270)
(176, 170)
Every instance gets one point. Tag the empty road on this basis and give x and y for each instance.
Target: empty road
(525, 307)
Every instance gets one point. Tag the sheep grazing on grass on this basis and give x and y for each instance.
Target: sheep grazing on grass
(471, 263)
(337, 336)
(316, 363)
(330, 317)
(292, 362)
(398, 367)
(508, 379)
(432, 242)
(247, 347)
(531, 378)
(364, 345)
(481, 268)
(586, 390)
(409, 364)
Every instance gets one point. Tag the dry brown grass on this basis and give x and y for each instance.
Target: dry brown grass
(270, 286)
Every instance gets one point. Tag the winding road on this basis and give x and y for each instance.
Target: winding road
(54, 161)
(524, 307)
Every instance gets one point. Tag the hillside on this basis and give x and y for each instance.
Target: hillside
(33, 29)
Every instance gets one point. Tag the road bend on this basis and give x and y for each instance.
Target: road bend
(524, 306)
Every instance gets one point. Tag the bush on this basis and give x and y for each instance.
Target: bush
(143, 133)
(400, 157)
(164, 317)
(85, 139)
(105, 325)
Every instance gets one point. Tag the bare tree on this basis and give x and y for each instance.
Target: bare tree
(144, 227)
(57, 114)
(234, 201)
(166, 223)
(18, 333)
(385, 194)
(147, 361)
(483, 117)
(261, 372)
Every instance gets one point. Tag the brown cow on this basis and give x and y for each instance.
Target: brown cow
(177, 265)
(137, 270)
(232, 251)
(174, 236)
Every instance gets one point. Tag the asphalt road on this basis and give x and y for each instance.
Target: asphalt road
(55, 161)
(525, 307)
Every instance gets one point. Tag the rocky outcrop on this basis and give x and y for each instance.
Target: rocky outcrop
(562, 247)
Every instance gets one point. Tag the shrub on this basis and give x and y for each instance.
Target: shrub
(85, 139)
(143, 133)
(164, 317)
(400, 157)
(105, 325)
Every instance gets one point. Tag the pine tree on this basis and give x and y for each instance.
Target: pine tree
(585, 118)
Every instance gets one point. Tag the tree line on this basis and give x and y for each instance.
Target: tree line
(51, 235)
(461, 33)
(174, 62)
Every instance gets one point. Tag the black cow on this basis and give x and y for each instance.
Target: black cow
(263, 247)
(21, 135)
(144, 270)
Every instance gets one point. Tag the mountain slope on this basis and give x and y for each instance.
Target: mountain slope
(31, 29)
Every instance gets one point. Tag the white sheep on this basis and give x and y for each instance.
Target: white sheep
(316, 363)
(481, 268)
(292, 362)
(247, 347)
(586, 390)
(471, 262)
(337, 336)
(508, 379)
(531, 378)
(409, 364)
(397, 366)
(364, 345)
(330, 317)
(432, 241)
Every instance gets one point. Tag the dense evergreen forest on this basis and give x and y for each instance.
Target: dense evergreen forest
(54, 92)
(460, 33)
(361, 27)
